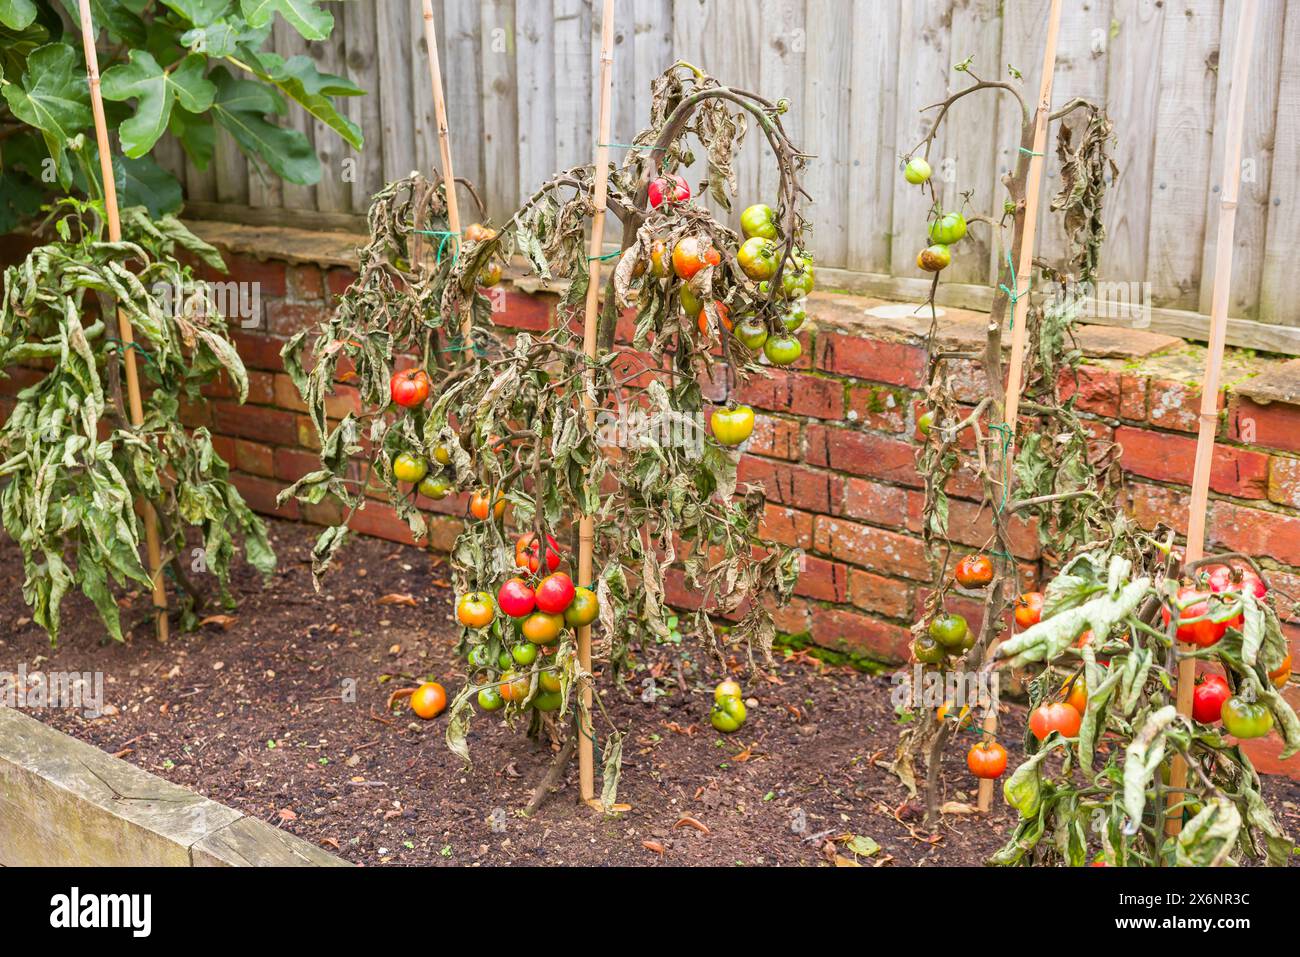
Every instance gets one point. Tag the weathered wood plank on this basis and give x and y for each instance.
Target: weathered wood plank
(872, 151)
(535, 34)
(1258, 132)
(1131, 101)
(393, 54)
(783, 57)
(334, 191)
(1279, 279)
(497, 50)
(573, 82)
(923, 68)
(653, 51)
(1184, 117)
(289, 43)
(362, 41)
(1024, 35)
(461, 38)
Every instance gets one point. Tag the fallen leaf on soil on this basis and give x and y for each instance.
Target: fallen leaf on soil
(330, 842)
(393, 598)
(841, 861)
(653, 846)
(861, 845)
(957, 807)
(687, 821)
(398, 695)
(223, 621)
(287, 815)
(676, 728)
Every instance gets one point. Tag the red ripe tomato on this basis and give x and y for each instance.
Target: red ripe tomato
(1055, 716)
(668, 187)
(555, 593)
(974, 571)
(516, 599)
(1029, 609)
(988, 759)
(409, 387)
(1208, 697)
(692, 254)
(526, 553)
(1196, 604)
(1223, 579)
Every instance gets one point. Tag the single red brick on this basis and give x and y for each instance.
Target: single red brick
(258, 350)
(787, 526)
(255, 458)
(260, 494)
(1256, 532)
(289, 318)
(264, 424)
(1171, 458)
(1133, 398)
(1150, 504)
(791, 618)
(823, 580)
(863, 453)
(775, 437)
(873, 548)
(306, 283)
(1275, 425)
(1175, 405)
(794, 485)
(292, 464)
(269, 273)
(381, 521)
(839, 629)
(794, 393)
(873, 502)
(877, 360)
(521, 311)
(1094, 390)
(971, 524)
(1284, 481)
(876, 593)
(224, 446)
(195, 415)
(878, 407)
(338, 280)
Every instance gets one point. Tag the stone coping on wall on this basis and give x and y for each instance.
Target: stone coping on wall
(66, 803)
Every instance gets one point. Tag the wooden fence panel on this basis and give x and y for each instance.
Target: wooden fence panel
(519, 75)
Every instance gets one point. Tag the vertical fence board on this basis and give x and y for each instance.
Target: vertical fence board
(653, 51)
(573, 83)
(1256, 158)
(288, 43)
(783, 56)
(361, 26)
(1183, 146)
(1132, 100)
(969, 162)
(497, 47)
(872, 151)
(460, 38)
(393, 54)
(826, 130)
(1280, 279)
(923, 67)
(535, 35)
(333, 192)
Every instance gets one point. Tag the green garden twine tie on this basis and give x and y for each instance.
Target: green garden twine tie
(113, 340)
(1006, 465)
(446, 236)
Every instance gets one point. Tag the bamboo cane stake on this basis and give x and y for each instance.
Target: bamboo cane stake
(1209, 420)
(1020, 305)
(586, 526)
(125, 335)
(444, 149)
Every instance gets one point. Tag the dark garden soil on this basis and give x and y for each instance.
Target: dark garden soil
(249, 711)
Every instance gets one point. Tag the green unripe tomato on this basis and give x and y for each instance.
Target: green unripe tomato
(948, 229)
(798, 281)
(1246, 719)
(950, 631)
(728, 715)
(524, 653)
(489, 699)
(410, 468)
(795, 316)
(751, 333)
(436, 487)
(478, 657)
(917, 170)
(928, 651)
(925, 423)
(547, 701)
(782, 350)
(691, 304)
(759, 221)
(504, 661)
(757, 258)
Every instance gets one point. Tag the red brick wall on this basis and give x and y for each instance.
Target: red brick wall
(835, 447)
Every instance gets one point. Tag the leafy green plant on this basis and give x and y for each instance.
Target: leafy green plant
(187, 67)
(72, 465)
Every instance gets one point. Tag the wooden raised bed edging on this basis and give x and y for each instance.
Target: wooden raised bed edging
(64, 802)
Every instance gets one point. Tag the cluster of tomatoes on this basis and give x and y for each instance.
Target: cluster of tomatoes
(758, 257)
(534, 609)
(728, 713)
(949, 635)
(945, 229)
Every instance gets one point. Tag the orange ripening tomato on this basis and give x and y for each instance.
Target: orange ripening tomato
(478, 505)
(987, 759)
(1029, 609)
(1282, 674)
(1076, 694)
(692, 254)
(476, 609)
(724, 316)
(1055, 716)
(974, 571)
(429, 700)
